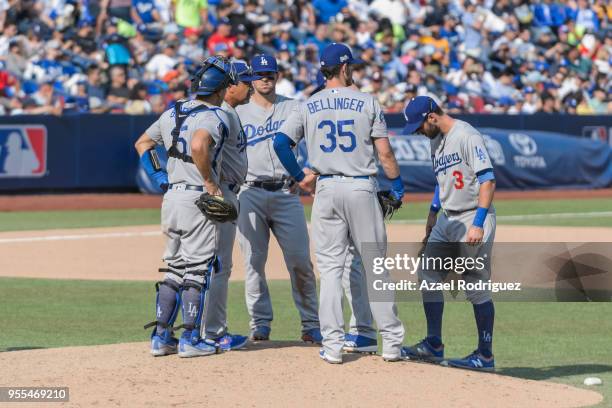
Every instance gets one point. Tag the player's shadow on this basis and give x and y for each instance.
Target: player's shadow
(20, 348)
(262, 345)
(544, 373)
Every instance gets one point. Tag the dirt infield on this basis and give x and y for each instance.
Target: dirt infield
(49, 202)
(270, 374)
(134, 253)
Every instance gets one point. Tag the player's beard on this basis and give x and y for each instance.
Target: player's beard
(431, 132)
(349, 76)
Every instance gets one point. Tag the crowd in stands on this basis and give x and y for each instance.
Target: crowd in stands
(479, 56)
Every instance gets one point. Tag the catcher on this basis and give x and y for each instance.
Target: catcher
(193, 132)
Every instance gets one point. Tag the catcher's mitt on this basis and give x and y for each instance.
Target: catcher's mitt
(388, 203)
(216, 208)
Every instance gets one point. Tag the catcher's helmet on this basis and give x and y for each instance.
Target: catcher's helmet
(215, 74)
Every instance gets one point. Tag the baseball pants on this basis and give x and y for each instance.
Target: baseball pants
(454, 228)
(281, 212)
(215, 315)
(344, 207)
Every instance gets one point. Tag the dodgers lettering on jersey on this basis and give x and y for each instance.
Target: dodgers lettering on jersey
(457, 158)
(338, 125)
(235, 165)
(260, 125)
(214, 121)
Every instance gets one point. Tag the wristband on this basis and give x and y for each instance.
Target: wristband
(397, 187)
(479, 219)
(300, 176)
(435, 201)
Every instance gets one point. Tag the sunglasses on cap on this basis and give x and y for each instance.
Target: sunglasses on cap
(267, 75)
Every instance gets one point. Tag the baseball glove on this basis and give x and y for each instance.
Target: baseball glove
(216, 208)
(388, 203)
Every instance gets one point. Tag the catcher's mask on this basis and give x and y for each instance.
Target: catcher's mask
(216, 73)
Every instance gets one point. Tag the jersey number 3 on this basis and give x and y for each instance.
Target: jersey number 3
(336, 131)
(458, 179)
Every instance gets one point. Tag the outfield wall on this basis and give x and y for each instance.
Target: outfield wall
(95, 152)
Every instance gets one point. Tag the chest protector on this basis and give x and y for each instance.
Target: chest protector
(179, 118)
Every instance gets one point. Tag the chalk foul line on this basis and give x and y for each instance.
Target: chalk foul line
(76, 237)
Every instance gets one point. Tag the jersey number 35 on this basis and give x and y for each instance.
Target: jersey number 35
(339, 135)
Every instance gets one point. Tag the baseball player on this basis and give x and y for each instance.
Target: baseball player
(233, 173)
(342, 128)
(361, 337)
(464, 194)
(268, 203)
(193, 132)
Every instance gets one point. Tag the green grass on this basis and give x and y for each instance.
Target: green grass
(410, 212)
(562, 342)
(43, 220)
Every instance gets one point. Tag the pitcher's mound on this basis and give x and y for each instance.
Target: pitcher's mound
(269, 374)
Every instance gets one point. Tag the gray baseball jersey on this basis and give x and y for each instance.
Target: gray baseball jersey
(260, 125)
(235, 164)
(339, 125)
(457, 158)
(212, 120)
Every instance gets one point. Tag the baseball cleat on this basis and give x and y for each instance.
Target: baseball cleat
(423, 351)
(163, 345)
(196, 348)
(329, 359)
(474, 361)
(312, 336)
(355, 343)
(260, 333)
(402, 356)
(232, 341)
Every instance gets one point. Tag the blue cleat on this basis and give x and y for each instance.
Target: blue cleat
(231, 341)
(260, 333)
(423, 351)
(191, 345)
(474, 361)
(355, 343)
(312, 336)
(164, 344)
(329, 359)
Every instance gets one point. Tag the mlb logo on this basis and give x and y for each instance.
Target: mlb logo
(23, 150)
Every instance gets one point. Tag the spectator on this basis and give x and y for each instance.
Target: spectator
(15, 62)
(138, 104)
(328, 9)
(222, 35)
(191, 48)
(45, 101)
(191, 14)
(118, 92)
(163, 62)
(144, 12)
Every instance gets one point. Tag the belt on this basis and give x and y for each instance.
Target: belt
(268, 185)
(452, 213)
(183, 187)
(326, 176)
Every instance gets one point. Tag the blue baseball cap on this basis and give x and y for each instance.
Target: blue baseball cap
(264, 63)
(244, 72)
(416, 112)
(337, 54)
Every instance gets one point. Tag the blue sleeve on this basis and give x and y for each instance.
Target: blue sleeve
(282, 147)
(158, 174)
(435, 201)
(485, 175)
